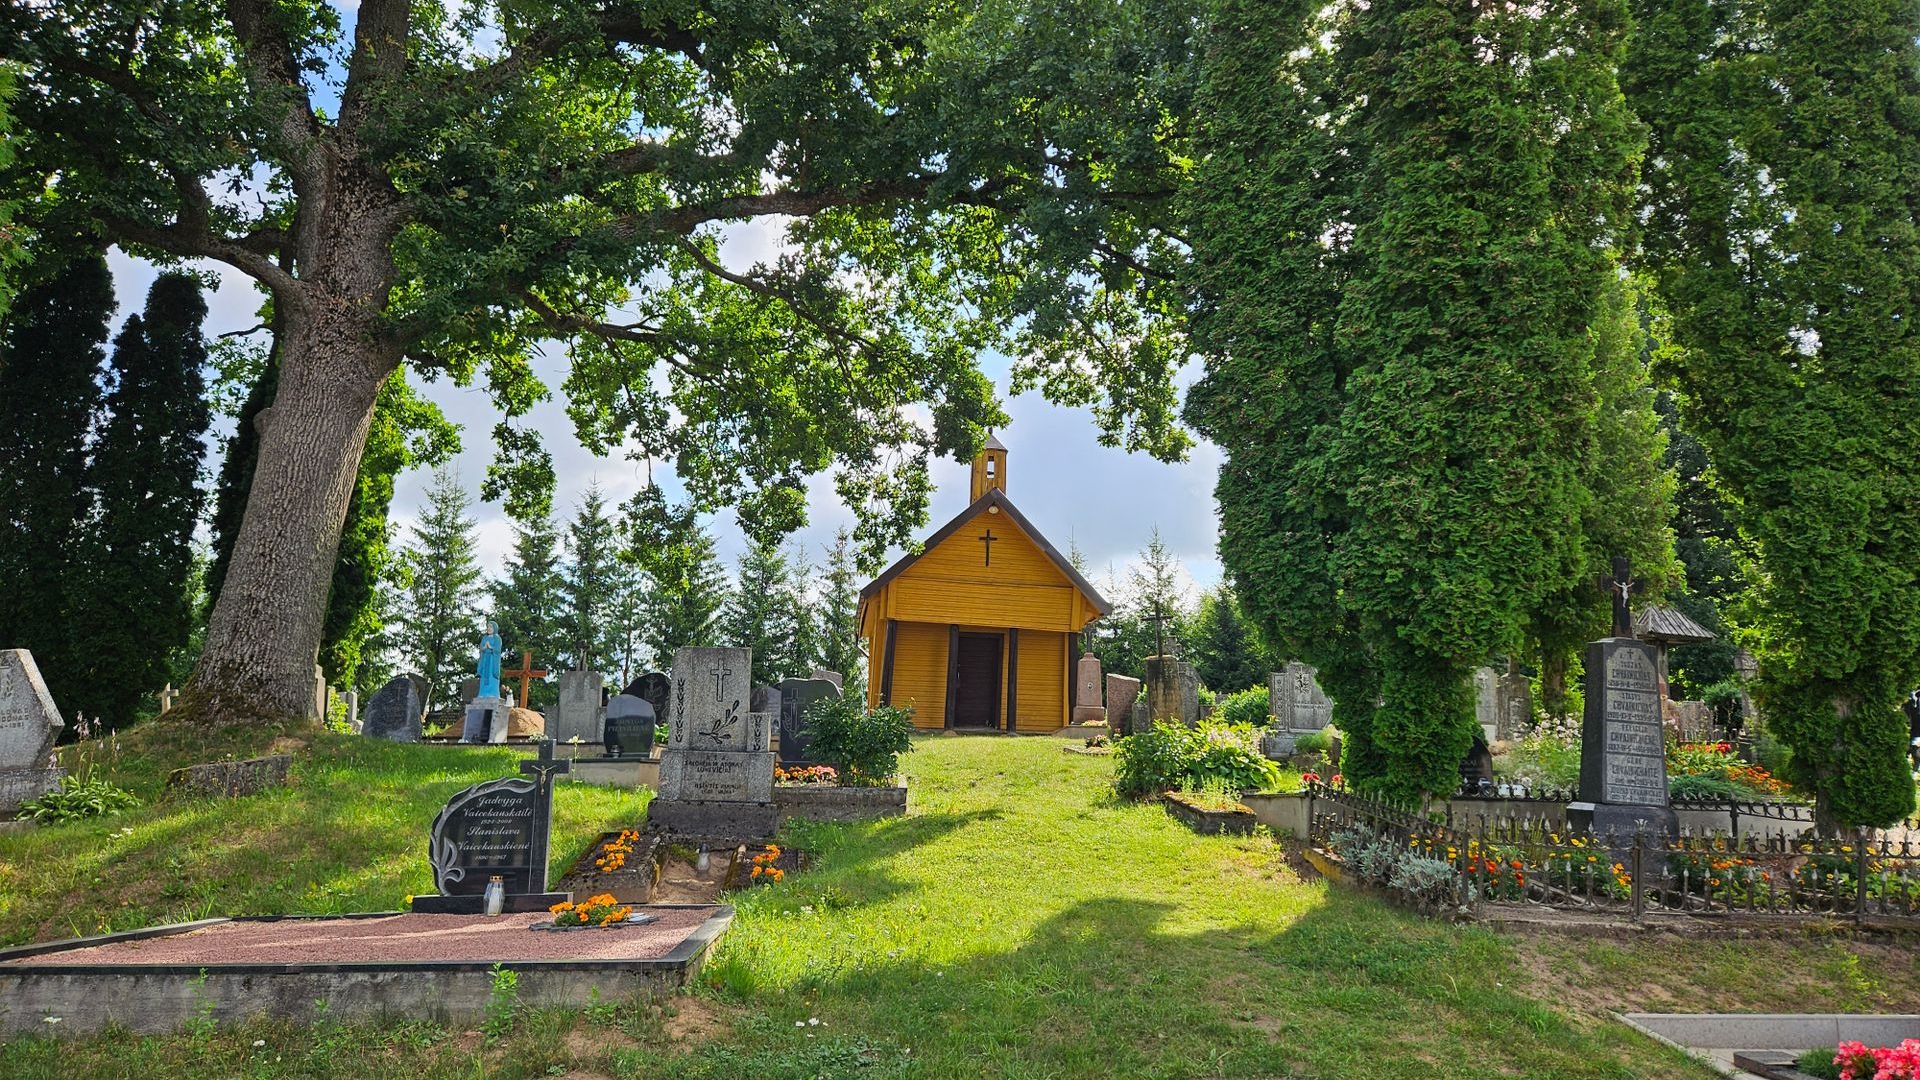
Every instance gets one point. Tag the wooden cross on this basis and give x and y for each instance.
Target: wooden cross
(1159, 619)
(526, 674)
(986, 543)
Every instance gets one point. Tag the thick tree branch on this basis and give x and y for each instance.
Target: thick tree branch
(379, 58)
(186, 239)
(274, 75)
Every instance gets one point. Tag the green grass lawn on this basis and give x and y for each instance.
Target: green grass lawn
(1019, 922)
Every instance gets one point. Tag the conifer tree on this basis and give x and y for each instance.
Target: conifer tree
(759, 614)
(1784, 231)
(1226, 650)
(841, 647)
(529, 603)
(1402, 232)
(591, 582)
(685, 585)
(440, 614)
(50, 363)
(132, 608)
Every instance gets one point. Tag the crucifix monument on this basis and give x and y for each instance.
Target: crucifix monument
(1623, 758)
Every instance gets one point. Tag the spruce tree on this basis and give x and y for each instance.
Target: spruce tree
(1784, 231)
(592, 557)
(50, 365)
(1402, 232)
(841, 647)
(529, 603)
(133, 607)
(685, 585)
(759, 614)
(1225, 648)
(440, 613)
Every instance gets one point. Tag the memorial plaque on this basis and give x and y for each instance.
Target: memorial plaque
(485, 830)
(796, 697)
(630, 727)
(716, 776)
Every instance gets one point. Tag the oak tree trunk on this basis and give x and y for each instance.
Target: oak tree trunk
(263, 635)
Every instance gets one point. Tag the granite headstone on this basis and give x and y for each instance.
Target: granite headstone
(394, 711)
(577, 712)
(838, 680)
(656, 689)
(796, 697)
(501, 828)
(1088, 707)
(1122, 692)
(630, 727)
(1623, 761)
(716, 774)
(29, 725)
(1173, 690)
(1295, 700)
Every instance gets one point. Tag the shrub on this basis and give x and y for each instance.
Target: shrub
(863, 747)
(1248, 708)
(1175, 756)
(1313, 742)
(77, 799)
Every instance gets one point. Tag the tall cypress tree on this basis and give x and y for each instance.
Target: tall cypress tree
(440, 613)
(50, 364)
(133, 606)
(1402, 232)
(1786, 236)
(685, 585)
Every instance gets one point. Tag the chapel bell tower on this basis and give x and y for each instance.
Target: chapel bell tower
(989, 469)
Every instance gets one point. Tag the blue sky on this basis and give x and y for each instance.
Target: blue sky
(1072, 488)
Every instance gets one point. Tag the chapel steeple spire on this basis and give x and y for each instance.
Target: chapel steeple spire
(989, 469)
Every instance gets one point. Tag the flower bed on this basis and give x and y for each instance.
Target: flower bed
(1208, 816)
(802, 775)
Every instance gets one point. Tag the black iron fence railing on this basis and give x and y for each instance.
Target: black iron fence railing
(1435, 864)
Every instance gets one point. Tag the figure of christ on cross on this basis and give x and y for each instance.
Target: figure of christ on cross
(526, 674)
(1621, 587)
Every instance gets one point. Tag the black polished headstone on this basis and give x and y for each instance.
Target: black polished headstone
(630, 727)
(654, 688)
(497, 828)
(1623, 758)
(395, 710)
(796, 697)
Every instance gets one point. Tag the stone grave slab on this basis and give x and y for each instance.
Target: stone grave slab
(496, 828)
(1623, 761)
(1122, 692)
(630, 727)
(1295, 700)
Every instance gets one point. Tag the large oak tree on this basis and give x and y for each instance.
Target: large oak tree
(447, 188)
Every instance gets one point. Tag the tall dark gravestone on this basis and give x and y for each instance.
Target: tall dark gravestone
(395, 711)
(496, 828)
(656, 689)
(1623, 750)
(796, 697)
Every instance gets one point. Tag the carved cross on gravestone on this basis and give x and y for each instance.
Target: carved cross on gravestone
(719, 677)
(1621, 588)
(986, 544)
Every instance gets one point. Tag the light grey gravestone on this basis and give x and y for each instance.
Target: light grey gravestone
(395, 710)
(577, 714)
(1516, 705)
(1486, 701)
(1295, 699)
(29, 724)
(716, 774)
(1087, 705)
(1122, 692)
(765, 699)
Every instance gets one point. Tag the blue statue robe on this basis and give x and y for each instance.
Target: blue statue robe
(489, 668)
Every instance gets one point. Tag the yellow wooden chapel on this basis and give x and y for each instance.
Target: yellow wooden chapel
(980, 630)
